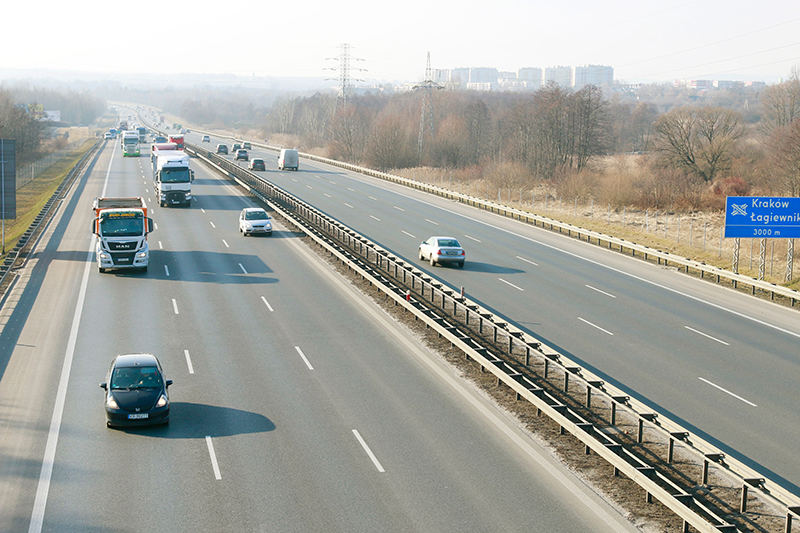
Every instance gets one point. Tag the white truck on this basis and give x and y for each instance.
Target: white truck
(121, 226)
(130, 143)
(171, 175)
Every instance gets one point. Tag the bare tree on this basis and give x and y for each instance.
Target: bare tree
(782, 103)
(700, 141)
(392, 143)
(785, 158)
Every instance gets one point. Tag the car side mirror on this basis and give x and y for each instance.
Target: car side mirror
(104, 386)
(168, 382)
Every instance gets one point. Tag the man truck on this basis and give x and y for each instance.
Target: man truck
(121, 226)
(171, 175)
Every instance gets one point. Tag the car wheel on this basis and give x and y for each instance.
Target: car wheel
(433, 261)
(421, 256)
(102, 270)
(461, 264)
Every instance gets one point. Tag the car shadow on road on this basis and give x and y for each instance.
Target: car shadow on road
(476, 266)
(198, 420)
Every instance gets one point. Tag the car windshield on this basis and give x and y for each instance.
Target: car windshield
(135, 377)
(449, 243)
(175, 175)
(256, 215)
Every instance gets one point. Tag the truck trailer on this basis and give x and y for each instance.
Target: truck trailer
(121, 226)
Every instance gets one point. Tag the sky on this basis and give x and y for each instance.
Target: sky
(644, 41)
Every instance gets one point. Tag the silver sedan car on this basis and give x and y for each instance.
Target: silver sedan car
(442, 250)
(254, 220)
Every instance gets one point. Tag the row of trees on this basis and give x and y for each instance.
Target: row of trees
(689, 149)
(29, 133)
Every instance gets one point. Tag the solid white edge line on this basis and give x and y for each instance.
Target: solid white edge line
(727, 391)
(213, 456)
(189, 361)
(267, 304)
(304, 357)
(707, 336)
(43, 487)
(369, 452)
(595, 326)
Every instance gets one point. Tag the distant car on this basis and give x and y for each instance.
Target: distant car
(246, 145)
(254, 220)
(442, 250)
(159, 139)
(242, 154)
(236, 146)
(136, 391)
(108, 135)
(222, 148)
(206, 139)
(257, 164)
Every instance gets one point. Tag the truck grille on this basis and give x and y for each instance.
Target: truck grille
(123, 246)
(123, 259)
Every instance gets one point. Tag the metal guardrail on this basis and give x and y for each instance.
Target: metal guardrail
(685, 264)
(32, 233)
(526, 353)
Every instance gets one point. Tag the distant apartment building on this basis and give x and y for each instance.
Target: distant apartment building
(561, 76)
(599, 75)
(441, 76)
(459, 77)
(483, 75)
(532, 77)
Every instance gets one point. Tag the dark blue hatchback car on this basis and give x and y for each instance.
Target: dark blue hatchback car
(136, 391)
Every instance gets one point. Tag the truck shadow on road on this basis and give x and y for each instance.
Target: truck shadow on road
(197, 420)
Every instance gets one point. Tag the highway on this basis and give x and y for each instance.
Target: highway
(297, 404)
(723, 364)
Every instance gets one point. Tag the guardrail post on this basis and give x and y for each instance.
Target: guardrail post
(614, 401)
(791, 511)
(716, 457)
(682, 435)
(754, 482)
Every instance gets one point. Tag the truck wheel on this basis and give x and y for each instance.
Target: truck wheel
(144, 269)
(102, 270)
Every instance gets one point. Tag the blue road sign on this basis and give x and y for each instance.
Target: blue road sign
(762, 217)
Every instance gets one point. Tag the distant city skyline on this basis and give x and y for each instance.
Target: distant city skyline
(651, 42)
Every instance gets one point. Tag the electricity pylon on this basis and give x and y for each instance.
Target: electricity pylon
(426, 116)
(344, 78)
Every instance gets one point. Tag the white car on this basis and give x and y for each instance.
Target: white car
(441, 250)
(206, 139)
(254, 220)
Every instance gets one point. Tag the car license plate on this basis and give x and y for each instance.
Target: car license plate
(138, 416)
(451, 252)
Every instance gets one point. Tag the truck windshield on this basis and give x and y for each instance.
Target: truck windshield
(175, 175)
(122, 224)
(131, 140)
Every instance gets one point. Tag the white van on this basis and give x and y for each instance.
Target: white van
(288, 159)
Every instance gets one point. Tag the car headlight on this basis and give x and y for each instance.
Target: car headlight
(248, 225)
(111, 403)
(161, 401)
